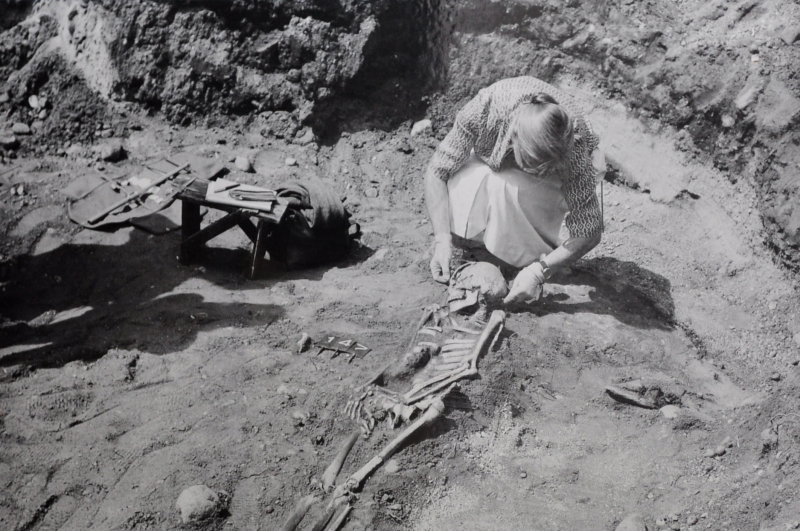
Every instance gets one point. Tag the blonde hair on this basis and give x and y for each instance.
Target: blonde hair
(542, 136)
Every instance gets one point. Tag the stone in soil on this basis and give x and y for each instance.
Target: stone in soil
(371, 193)
(423, 127)
(291, 161)
(4, 97)
(304, 137)
(633, 522)
(9, 142)
(21, 129)
(199, 502)
(392, 466)
(111, 151)
(769, 440)
(670, 411)
(243, 164)
(791, 35)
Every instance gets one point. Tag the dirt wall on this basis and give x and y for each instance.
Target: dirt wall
(207, 60)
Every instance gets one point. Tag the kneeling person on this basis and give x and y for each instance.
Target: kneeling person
(519, 160)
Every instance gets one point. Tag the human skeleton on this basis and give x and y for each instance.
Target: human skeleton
(444, 350)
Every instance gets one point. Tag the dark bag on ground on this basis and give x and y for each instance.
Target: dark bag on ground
(315, 230)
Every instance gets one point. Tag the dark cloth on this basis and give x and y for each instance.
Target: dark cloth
(315, 229)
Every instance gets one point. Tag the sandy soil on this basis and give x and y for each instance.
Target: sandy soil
(126, 377)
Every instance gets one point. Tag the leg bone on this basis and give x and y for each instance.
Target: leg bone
(432, 413)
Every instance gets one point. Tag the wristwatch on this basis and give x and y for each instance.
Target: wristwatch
(546, 271)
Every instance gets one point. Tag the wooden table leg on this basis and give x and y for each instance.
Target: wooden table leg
(190, 225)
(259, 248)
(249, 229)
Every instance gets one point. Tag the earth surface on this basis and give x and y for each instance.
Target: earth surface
(127, 377)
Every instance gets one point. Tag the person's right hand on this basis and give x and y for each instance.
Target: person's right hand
(440, 263)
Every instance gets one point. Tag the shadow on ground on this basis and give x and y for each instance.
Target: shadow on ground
(80, 300)
(631, 294)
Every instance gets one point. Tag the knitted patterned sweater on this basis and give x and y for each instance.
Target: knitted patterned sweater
(482, 125)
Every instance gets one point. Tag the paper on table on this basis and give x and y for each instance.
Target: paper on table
(218, 193)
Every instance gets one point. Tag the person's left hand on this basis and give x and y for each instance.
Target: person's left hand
(527, 286)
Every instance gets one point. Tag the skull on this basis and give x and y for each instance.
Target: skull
(476, 283)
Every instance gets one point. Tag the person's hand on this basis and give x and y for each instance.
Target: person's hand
(440, 263)
(527, 287)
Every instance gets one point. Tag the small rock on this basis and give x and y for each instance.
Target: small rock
(199, 502)
(791, 35)
(673, 52)
(423, 127)
(37, 126)
(300, 418)
(4, 97)
(523, 475)
(42, 114)
(670, 411)
(293, 75)
(243, 163)
(106, 133)
(392, 466)
(769, 440)
(371, 193)
(9, 142)
(111, 152)
(727, 121)
(21, 129)
(304, 343)
(775, 376)
(291, 161)
(719, 450)
(633, 522)
(33, 101)
(691, 520)
(304, 137)
(746, 96)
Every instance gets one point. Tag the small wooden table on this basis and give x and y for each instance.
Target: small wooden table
(193, 196)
